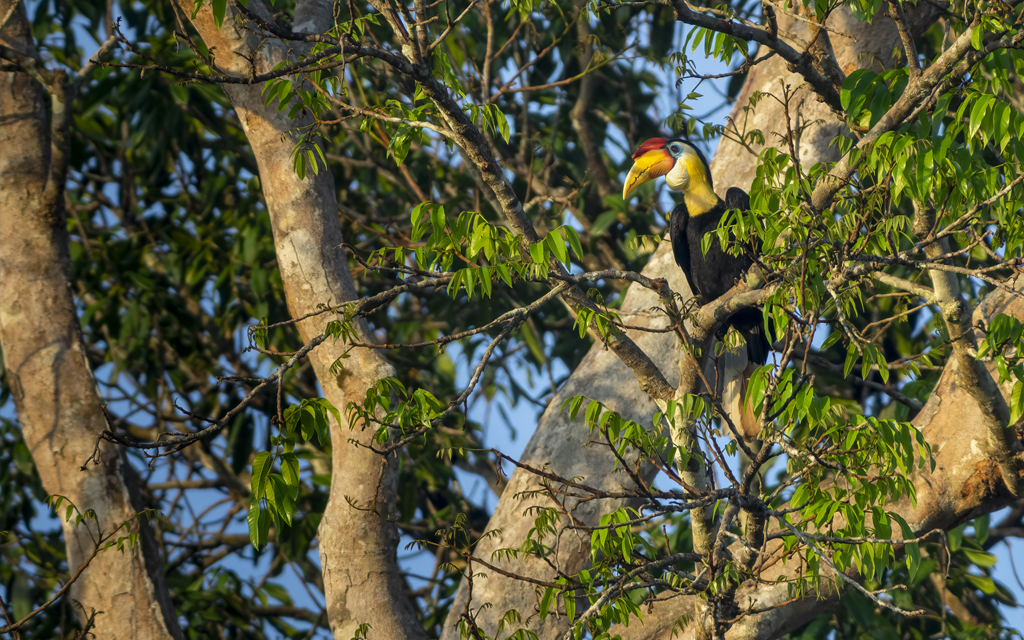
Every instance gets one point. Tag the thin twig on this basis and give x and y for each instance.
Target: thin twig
(9, 628)
(845, 578)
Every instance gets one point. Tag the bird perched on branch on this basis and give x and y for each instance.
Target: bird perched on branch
(712, 274)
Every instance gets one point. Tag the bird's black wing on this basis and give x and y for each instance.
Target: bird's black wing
(680, 243)
(749, 322)
(758, 345)
(736, 198)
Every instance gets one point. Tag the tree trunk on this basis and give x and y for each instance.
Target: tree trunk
(46, 367)
(358, 546)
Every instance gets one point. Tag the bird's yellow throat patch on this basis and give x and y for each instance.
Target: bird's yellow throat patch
(699, 196)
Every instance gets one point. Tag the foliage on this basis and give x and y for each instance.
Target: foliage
(181, 302)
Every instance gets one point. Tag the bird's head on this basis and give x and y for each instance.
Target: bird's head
(685, 169)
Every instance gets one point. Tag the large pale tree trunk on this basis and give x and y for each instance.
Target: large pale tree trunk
(358, 546)
(559, 444)
(46, 367)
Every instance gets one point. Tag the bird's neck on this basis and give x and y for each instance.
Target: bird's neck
(699, 197)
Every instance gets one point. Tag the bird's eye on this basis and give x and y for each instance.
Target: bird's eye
(675, 148)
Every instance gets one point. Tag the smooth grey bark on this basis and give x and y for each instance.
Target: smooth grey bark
(358, 546)
(50, 378)
(560, 445)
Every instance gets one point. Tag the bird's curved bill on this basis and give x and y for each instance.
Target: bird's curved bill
(646, 167)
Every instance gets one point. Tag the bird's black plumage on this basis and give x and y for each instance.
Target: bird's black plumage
(711, 275)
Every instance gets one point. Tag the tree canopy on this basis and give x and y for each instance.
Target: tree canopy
(258, 262)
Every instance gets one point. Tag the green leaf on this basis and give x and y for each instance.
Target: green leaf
(533, 342)
(477, 240)
(486, 281)
(955, 537)
(913, 551)
(269, 91)
(574, 241)
(978, 113)
(858, 86)
(592, 413)
(1017, 402)
(437, 220)
(253, 519)
(283, 502)
(851, 359)
(417, 219)
(602, 222)
(505, 274)
(260, 472)
(278, 592)
(271, 493)
(259, 336)
(981, 529)
(984, 584)
(263, 528)
(290, 469)
(574, 406)
(537, 253)
(980, 558)
(455, 283)
(502, 121)
(469, 281)
(756, 387)
(545, 602)
(556, 243)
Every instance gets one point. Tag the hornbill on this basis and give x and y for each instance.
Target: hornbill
(709, 275)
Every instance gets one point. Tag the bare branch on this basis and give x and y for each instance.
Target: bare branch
(909, 48)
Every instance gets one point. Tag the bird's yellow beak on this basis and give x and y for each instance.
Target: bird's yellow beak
(648, 164)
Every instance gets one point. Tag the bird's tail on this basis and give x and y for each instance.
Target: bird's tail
(750, 422)
(758, 345)
(736, 368)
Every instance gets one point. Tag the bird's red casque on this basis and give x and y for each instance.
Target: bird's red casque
(649, 145)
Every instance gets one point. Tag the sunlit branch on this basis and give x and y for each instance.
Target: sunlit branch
(905, 285)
